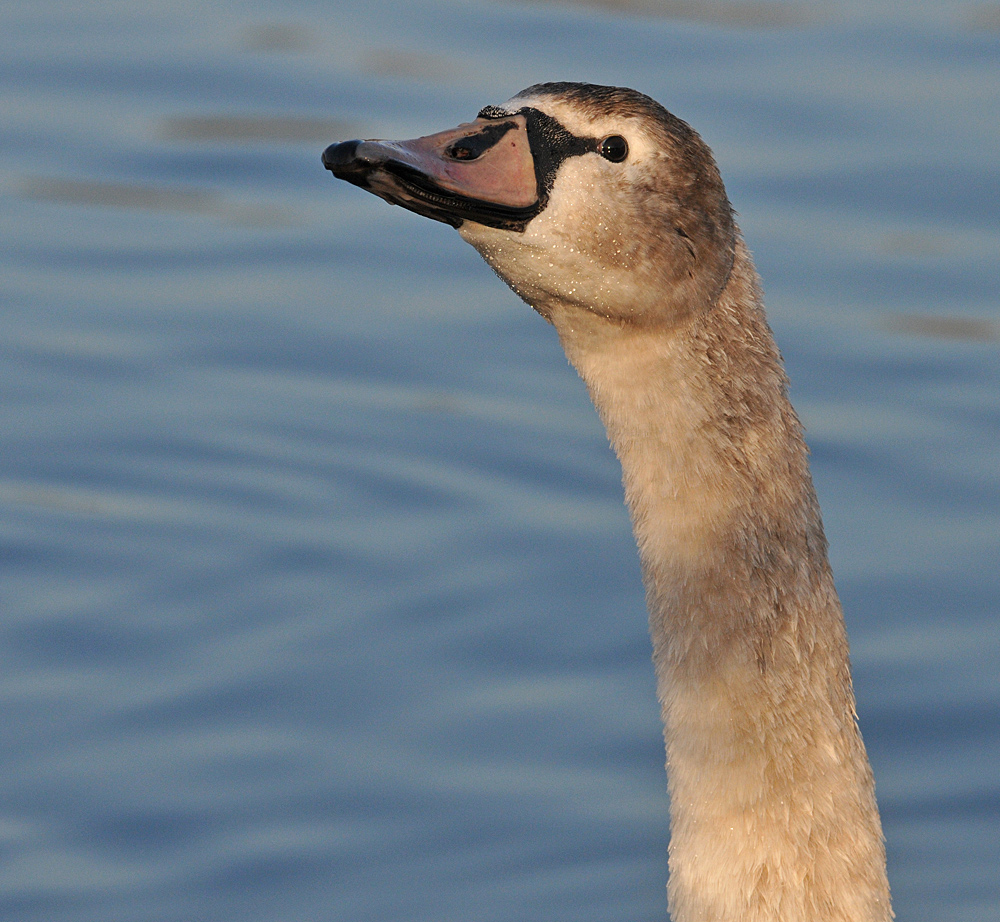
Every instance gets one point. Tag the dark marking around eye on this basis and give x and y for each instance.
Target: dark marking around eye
(551, 144)
(475, 145)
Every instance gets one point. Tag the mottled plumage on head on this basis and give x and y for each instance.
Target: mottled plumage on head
(648, 240)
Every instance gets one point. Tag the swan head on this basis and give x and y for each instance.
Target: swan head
(578, 196)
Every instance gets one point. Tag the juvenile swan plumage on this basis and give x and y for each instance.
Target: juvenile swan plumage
(608, 216)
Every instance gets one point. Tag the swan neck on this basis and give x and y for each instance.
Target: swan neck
(773, 814)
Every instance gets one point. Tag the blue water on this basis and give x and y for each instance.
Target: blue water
(319, 599)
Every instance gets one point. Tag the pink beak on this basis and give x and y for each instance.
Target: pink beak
(482, 171)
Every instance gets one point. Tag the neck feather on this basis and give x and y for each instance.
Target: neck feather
(773, 813)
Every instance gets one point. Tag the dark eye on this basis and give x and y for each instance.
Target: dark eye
(613, 148)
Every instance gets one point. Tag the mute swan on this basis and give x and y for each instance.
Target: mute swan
(608, 216)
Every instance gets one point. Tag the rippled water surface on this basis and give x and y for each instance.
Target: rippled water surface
(319, 599)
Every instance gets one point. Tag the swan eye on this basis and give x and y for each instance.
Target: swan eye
(613, 148)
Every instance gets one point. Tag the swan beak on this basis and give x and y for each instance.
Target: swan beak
(482, 171)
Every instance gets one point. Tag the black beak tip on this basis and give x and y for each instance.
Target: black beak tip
(342, 158)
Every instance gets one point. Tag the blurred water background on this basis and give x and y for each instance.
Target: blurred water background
(319, 600)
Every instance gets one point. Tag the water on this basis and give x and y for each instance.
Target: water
(319, 598)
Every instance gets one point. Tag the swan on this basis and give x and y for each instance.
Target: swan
(607, 215)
